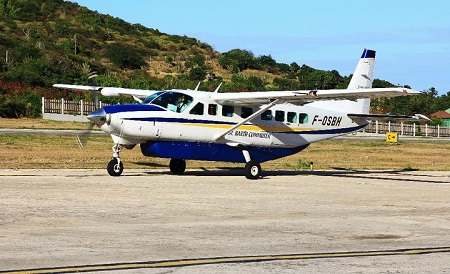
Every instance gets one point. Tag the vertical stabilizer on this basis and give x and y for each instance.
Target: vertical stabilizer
(363, 75)
(362, 78)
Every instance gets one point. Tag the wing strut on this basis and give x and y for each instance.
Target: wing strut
(266, 107)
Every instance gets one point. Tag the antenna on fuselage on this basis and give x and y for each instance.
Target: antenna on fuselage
(198, 85)
(217, 89)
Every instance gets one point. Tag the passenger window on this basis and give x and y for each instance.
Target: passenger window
(212, 109)
(197, 109)
(303, 118)
(227, 111)
(245, 112)
(266, 115)
(292, 117)
(279, 115)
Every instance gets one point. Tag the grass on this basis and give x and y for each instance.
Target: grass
(62, 151)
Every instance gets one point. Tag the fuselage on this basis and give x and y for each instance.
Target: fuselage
(165, 129)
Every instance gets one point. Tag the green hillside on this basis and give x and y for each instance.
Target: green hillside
(43, 42)
(48, 41)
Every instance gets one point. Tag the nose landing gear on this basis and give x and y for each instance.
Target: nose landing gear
(115, 166)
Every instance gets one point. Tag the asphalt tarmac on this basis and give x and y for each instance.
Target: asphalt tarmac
(66, 221)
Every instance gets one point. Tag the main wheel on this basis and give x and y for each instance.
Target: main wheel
(252, 170)
(177, 166)
(115, 167)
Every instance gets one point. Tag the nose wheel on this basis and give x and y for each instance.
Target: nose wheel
(115, 167)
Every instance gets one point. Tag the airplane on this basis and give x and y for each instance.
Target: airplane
(242, 127)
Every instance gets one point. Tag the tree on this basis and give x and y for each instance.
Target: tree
(196, 61)
(125, 56)
(237, 60)
(286, 84)
(197, 73)
(245, 83)
(8, 9)
(37, 72)
(267, 62)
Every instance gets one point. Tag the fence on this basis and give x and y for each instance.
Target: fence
(407, 129)
(62, 106)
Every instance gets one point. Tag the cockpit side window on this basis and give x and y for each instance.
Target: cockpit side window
(171, 100)
(151, 97)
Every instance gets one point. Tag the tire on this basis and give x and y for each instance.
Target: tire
(177, 166)
(115, 167)
(252, 170)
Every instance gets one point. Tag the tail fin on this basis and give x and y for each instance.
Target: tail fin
(362, 79)
(363, 75)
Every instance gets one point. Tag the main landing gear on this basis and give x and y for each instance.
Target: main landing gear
(252, 167)
(252, 170)
(177, 166)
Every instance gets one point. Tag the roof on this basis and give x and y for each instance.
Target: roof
(440, 114)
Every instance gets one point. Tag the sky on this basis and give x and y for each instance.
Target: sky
(412, 38)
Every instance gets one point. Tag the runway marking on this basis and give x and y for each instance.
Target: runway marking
(223, 260)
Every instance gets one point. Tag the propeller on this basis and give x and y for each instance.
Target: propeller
(83, 137)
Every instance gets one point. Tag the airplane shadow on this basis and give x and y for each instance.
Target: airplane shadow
(388, 175)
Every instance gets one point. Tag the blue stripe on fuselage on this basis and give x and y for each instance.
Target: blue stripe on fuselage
(132, 108)
(214, 152)
(179, 120)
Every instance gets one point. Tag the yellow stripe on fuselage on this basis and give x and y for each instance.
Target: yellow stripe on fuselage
(250, 127)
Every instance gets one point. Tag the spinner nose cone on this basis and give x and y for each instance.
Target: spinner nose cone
(98, 117)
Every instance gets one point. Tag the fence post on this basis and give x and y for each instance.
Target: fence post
(62, 105)
(43, 106)
(81, 107)
(401, 129)
(389, 126)
(376, 126)
(414, 129)
(439, 131)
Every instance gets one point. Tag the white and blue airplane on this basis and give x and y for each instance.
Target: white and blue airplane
(245, 127)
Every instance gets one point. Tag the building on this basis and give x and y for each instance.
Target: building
(444, 115)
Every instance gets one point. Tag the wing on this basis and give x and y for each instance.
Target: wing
(301, 97)
(110, 91)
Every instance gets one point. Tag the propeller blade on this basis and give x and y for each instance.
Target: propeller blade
(84, 136)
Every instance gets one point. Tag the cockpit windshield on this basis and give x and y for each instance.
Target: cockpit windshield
(171, 100)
